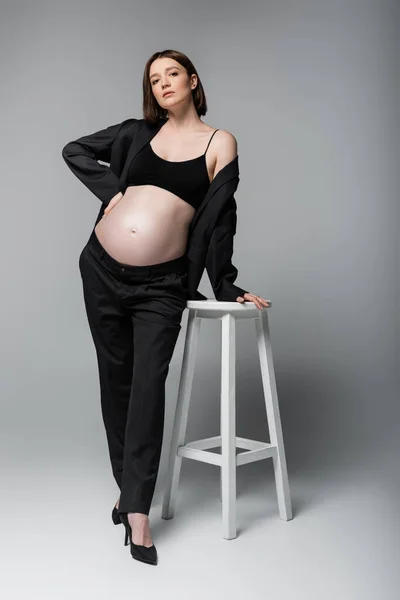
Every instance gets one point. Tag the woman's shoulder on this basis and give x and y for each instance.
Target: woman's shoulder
(225, 139)
(131, 126)
(131, 122)
(225, 148)
(222, 137)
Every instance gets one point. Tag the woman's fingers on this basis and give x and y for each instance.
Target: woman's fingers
(259, 301)
(112, 203)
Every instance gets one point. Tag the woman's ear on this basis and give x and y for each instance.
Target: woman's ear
(193, 83)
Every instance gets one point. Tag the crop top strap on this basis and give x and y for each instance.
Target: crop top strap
(210, 140)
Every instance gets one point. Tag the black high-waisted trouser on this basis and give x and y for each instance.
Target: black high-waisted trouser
(134, 315)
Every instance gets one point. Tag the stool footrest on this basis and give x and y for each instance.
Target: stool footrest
(197, 450)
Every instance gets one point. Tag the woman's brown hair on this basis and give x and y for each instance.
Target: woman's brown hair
(152, 111)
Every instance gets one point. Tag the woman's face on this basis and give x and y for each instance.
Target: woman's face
(167, 75)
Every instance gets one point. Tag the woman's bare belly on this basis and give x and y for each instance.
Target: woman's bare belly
(149, 225)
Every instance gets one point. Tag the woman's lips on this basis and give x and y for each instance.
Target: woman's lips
(167, 94)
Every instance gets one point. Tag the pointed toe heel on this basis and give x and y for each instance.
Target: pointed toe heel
(142, 553)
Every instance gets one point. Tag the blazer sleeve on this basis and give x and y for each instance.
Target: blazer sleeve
(81, 156)
(221, 271)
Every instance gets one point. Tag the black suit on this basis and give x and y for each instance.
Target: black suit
(134, 312)
(211, 232)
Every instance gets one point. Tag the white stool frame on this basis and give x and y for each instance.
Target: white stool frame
(228, 313)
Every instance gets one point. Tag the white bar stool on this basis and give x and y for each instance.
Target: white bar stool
(228, 313)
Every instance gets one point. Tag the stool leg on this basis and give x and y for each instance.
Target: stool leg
(228, 427)
(273, 416)
(181, 414)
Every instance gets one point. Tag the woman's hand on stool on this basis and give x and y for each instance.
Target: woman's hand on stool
(258, 300)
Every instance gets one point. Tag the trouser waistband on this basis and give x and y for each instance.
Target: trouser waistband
(178, 264)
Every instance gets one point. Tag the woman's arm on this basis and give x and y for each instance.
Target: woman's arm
(81, 156)
(220, 269)
(221, 272)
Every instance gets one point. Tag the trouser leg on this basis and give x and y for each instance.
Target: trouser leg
(134, 315)
(154, 342)
(112, 335)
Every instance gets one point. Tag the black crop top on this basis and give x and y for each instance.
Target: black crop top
(188, 179)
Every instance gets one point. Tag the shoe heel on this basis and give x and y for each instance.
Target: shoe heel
(115, 516)
(125, 522)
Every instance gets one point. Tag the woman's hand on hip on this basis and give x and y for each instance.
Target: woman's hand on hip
(112, 203)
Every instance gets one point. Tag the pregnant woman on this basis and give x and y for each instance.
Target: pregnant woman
(136, 268)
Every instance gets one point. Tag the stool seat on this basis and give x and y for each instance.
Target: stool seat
(227, 460)
(215, 309)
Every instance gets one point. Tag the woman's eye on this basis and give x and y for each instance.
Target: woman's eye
(155, 80)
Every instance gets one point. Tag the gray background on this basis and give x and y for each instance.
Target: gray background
(310, 90)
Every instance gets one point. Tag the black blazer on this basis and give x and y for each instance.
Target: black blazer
(211, 232)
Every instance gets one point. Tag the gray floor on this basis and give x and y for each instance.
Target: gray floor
(58, 540)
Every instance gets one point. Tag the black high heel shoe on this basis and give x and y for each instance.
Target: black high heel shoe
(138, 552)
(115, 516)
